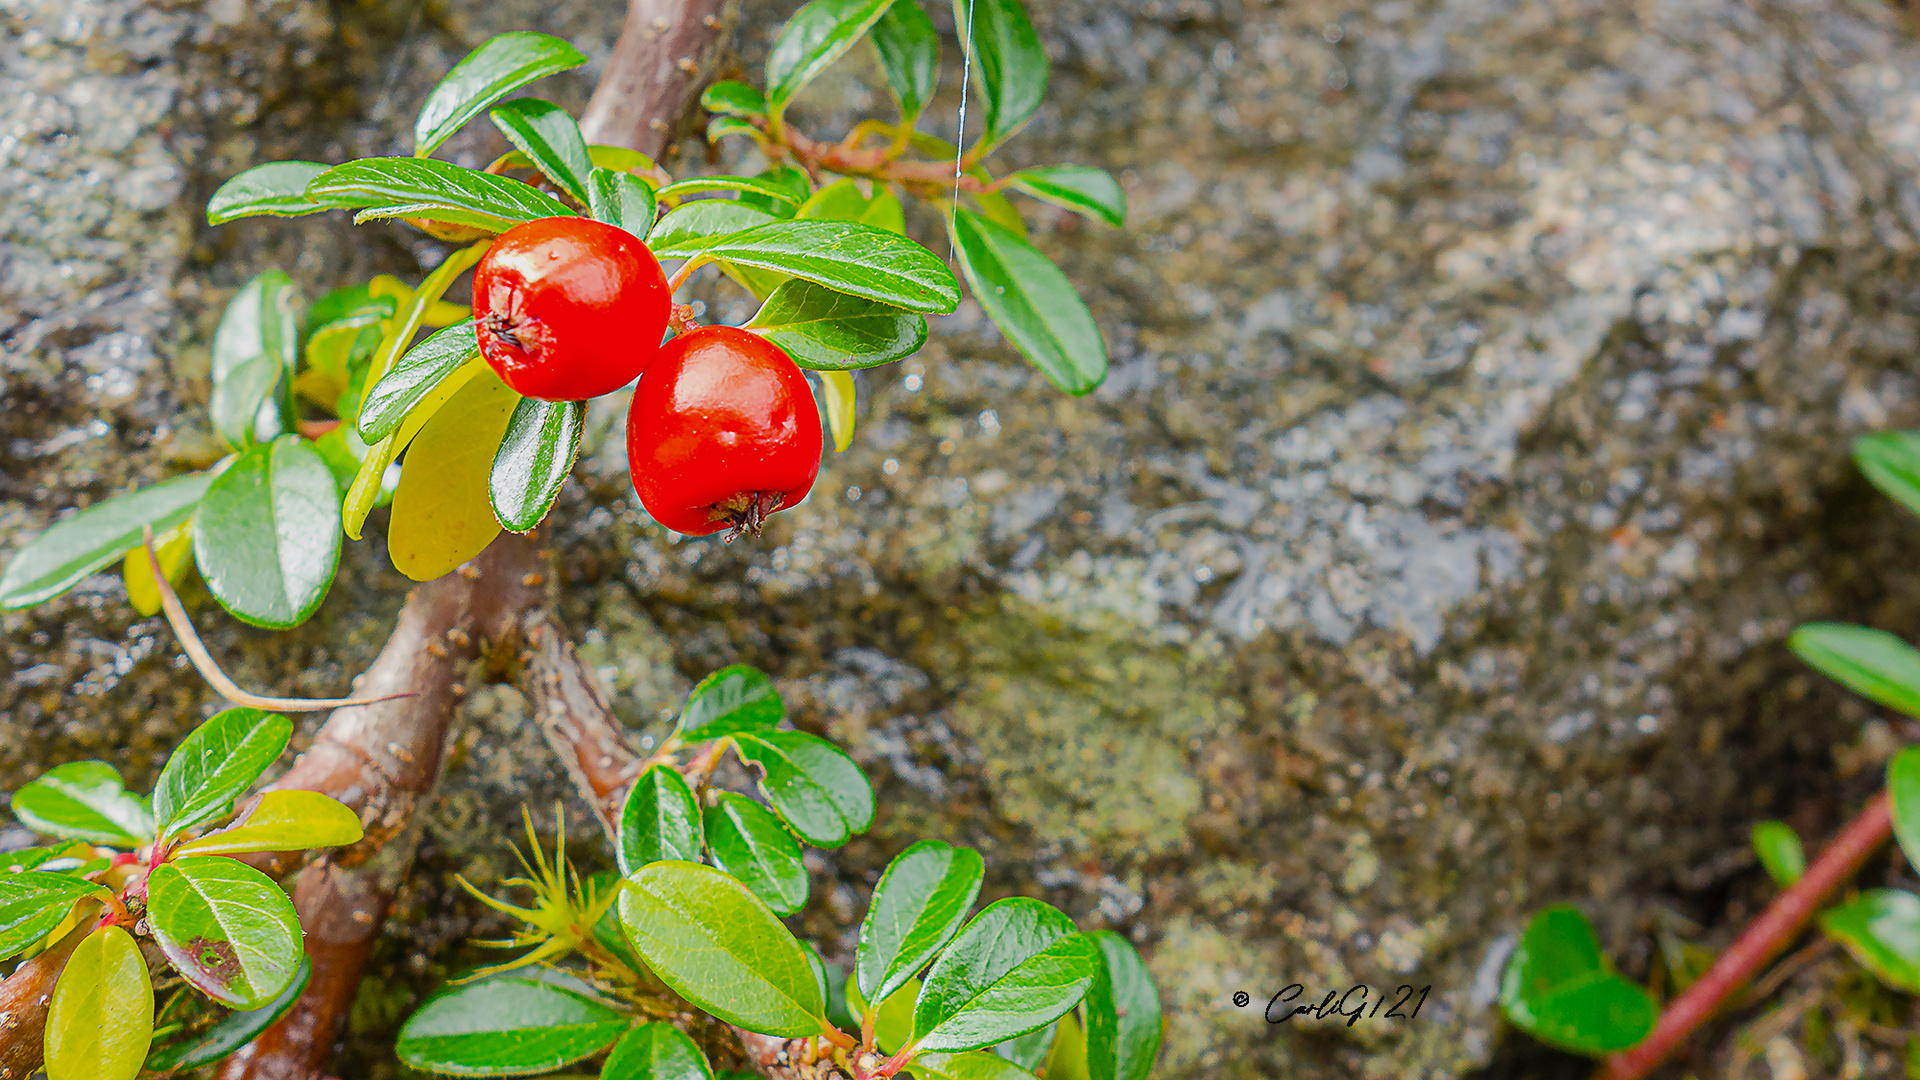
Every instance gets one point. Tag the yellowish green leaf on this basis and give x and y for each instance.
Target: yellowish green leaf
(442, 514)
(172, 547)
(100, 1021)
(282, 821)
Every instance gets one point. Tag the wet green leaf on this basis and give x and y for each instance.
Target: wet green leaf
(842, 255)
(920, 903)
(267, 534)
(752, 845)
(910, 54)
(619, 199)
(816, 788)
(434, 189)
(278, 188)
(696, 221)
(100, 1021)
(1558, 988)
(832, 331)
(1881, 928)
(1031, 301)
(507, 1026)
(656, 1051)
(1123, 1014)
(231, 1033)
(660, 820)
(255, 351)
(282, 820)
(1778, 847)
(1010, 65)
(1871, 663)
(33, 903)
(1085, 190)
(1018, 965)
(84, 800)
(733, 700)
(732, 98)
(811, 41)
(1891, 460)
(92, 539)
(719, 946)
(536, 454)
(215, 764)
(228, 928)
(551, 140)
(501, 65)
(423, 367)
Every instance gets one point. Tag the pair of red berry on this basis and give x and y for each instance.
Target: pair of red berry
(723, 429)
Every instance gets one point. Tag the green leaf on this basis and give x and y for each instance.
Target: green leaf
(733, 98)
(750, 843)
(656, 1051)
(837, 394)
(920, 903)
(1871, 663)
(227, 927)
(94, 538)
(353, 306)
(435, 189)
(83, 800)
(811, 41)
(1881, 928)
(831, 331)
(217, 762)
(1031, 301)
(12, 862)
(1903, 791)
(500, 66)
(970, 1065)
(278, 188)
(33, 903)
(885, 211)
(720, 127)
(232, 1032)
(893, 1020)
(255, 351)
(506, 1027)
(1891, 460)
(1558, 988)
(1009, 63)
(660, 820)
(535, 456)
(267, 535)
(910, 54)
(815, 786)
(423, 367)
(838, 201)
(764, 188)
(619, 199)
(551, 140)
(731, 701)
(1079, 188)
(719, 946)
(1778, 847)
(1123, 1014)
(100, 1021)
(842, 255)
(282, 820)
(687, 225)
(1029, 1051)
(1018, 965)
(797, 185)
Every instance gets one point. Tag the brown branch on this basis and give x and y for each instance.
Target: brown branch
(1763, 939)
(383, 760)
(578, 723)
(667, 51)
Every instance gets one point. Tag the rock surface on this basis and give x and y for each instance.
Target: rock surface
(1483, 378)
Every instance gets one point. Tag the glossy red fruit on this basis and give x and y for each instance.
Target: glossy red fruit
(569, 308)
(723, 432)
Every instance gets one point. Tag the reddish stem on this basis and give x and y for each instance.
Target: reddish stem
(1764, 938)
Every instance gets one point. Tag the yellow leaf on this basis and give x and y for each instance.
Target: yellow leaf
(837, 389)
(100, 1023)
(172, 547)
(445, 314)
(282, 821)
(388, 285)
(442, 513)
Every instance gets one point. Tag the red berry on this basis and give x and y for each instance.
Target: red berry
(723, 432)
(569, 308)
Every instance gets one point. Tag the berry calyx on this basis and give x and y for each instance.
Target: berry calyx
(568, 308)
(723, 433)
